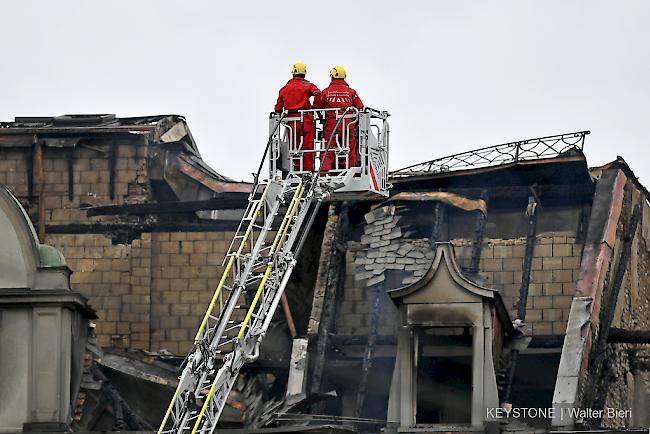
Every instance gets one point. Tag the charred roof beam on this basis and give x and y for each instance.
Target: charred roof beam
(220, 201)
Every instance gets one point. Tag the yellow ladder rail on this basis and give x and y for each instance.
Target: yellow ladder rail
(224, 276)
(282, 231)
(213, 301)
(278, 239)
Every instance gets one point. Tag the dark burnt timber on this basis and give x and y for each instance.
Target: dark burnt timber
(532, 213)
(112, 160)
(220, 201)
(39, 175)
(622, 336)
(103, 228)
(29, 159)
(331, 277)
(503, 192)
(479, 234)
(550, 341)
(70, 163)
(370, 348)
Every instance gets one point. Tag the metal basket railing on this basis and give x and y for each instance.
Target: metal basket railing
(302, 139)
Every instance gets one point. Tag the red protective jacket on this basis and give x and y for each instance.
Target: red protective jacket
(295, 95)
(338, 95)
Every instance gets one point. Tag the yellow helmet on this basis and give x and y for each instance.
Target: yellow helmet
(299, 68)
(338, 72)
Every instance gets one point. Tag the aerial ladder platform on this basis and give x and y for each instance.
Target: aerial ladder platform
(263, 253)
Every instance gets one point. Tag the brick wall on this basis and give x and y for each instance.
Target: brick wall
(185, 270)
(384, 248)
(150, 294)
(555, 268)
(102, 271)
(13, 170)
(91, 178)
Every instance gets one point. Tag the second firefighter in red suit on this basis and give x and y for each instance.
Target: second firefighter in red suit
(339, 95)
(295, 96)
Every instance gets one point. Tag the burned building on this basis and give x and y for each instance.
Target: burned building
(106, 192)
(513, 275)
(532, 228)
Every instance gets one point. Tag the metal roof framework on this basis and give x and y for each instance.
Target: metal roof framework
(506, 153)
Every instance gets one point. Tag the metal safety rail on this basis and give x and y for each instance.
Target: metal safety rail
(531, 149)
(367, 127)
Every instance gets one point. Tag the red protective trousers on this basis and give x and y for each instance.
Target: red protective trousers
(339, 95)
(303, 139)
(346, 128)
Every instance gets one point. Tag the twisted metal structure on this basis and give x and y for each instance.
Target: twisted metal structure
(530, 149)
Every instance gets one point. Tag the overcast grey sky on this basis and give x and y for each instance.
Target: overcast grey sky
(455, 75)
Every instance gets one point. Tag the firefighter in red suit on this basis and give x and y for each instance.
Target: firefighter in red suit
(295, 96)
(339, 95)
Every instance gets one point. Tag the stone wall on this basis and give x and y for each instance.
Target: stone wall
(555, 268)
(13, 170)
(90, 174)
(114, 276)
(185, 270)
(386, 256)
(150, 294)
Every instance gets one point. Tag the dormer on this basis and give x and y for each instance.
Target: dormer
(448, 325)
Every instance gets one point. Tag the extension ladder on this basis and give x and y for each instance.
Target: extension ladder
(258, 265)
